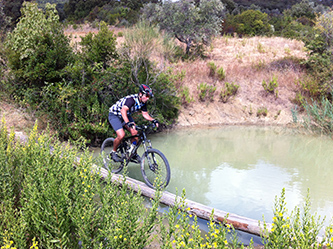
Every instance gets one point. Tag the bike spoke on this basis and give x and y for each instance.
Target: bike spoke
(155, 169)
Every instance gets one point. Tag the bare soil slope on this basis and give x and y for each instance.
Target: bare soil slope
(247, 62)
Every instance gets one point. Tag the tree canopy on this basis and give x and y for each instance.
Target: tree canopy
(189, 23)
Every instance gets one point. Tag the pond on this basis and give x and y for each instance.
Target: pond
(241, 169)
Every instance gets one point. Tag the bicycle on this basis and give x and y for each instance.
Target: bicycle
(153, 162)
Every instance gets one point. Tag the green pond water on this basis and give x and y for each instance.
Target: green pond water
(240, 169)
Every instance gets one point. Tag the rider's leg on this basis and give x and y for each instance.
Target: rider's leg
(120, 135)
(133, 132)
(117, 125)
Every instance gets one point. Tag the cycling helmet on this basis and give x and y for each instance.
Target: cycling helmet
(146, 90)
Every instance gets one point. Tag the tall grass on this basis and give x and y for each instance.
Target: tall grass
(320, 116)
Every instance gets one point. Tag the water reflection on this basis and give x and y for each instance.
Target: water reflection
(241, 169)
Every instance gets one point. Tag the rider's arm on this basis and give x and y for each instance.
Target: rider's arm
(127, 105)
(123, 112)
(148, 117)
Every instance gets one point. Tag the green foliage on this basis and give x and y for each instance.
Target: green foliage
(185, 96)
(11, 10)
(221, 73)
(271, 86)
(76, 10)
(324, 23)
(182, 230)
(212, 68)
(320, 60)
(99, 48)
(38, 50)
(300, 229)
(229, 91)
(47, 202)
(296, 30)
(76, 100)
(189, 23)
(206, 92)
(311, 88)
(302, 9)
(252, 22)
(262, 111)
(320, 116)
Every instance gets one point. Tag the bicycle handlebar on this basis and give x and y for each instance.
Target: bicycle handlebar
(145, 127)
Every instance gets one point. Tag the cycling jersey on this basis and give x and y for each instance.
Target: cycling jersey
(132, 102)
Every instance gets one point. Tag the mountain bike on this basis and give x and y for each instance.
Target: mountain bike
(153, 162)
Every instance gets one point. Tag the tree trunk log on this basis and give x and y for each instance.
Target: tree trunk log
(238, 222)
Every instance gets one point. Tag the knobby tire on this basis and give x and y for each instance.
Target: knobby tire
(109, 164)
(154, 164)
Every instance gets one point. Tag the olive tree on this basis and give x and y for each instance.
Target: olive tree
(189, 23)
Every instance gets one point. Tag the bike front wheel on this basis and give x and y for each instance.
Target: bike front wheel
(109, 164)
(155, 168)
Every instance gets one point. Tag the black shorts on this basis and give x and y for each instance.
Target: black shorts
(118, 122)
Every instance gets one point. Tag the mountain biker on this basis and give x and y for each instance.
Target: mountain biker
(120, 117)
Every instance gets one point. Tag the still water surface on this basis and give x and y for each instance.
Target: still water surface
(241, 169)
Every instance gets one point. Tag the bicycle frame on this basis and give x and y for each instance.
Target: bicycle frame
(142, 140)
(152, 162)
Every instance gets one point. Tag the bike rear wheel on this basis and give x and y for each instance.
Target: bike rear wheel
(109, 164)
(155, 168)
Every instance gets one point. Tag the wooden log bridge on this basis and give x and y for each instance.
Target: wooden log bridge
(238, 222)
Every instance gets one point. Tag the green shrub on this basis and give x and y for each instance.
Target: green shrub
(252, 22)
(212, 68)
(185, 96)
(299, 229)
(48, 202)
(221, 73)
(76, 100)
(206, 92)
(100, 47)
(229, 91)
(262, 111)
(271, 86)
(38, 50)
(180, 230)
(312, 88)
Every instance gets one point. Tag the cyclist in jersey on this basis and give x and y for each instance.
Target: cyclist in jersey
(120, 116)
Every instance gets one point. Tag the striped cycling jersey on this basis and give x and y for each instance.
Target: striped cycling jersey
(131, 101)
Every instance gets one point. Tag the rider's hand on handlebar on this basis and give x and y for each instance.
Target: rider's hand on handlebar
(130, 124)
(155, 122)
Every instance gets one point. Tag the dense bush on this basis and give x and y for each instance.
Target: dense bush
(74, 90)
(47, 202)
(250, 22)
(38, 50)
